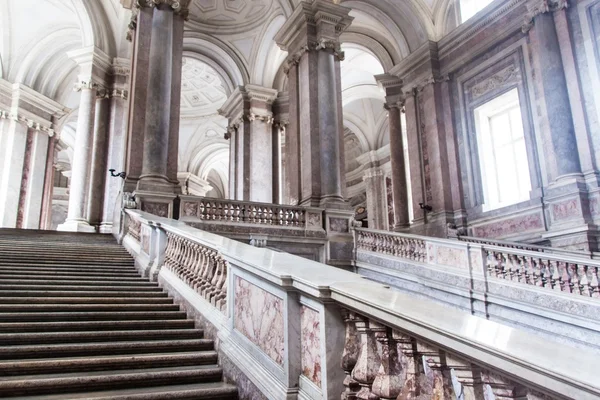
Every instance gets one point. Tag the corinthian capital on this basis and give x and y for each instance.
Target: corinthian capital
(179, 6)
(537, 7)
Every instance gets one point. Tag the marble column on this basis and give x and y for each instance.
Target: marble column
(376, 198)
(12, 158)
(249, 110)
(98, 168)
(32, 184)
(115, 157)
(46, 212)
(158, 186)
(278, 131)
(158, 116)
(399, 186)
(140, 35)
(80, 167)
(281, 122)
(292, 142)
(556, 119)
(311, 37)
(566, 197)
(232, 137)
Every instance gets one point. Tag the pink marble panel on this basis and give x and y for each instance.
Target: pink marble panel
(145, 238)
(526, 223)
(566, 210)
(451, 257)
(258, 315)
(310, 336)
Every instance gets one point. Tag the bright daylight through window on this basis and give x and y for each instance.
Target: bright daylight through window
(502, 151)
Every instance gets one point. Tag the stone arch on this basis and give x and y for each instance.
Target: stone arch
(220, 54)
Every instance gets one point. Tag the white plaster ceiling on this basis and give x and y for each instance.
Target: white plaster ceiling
(202, 92)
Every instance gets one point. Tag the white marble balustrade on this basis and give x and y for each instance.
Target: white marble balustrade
(301, 329)
(565, 271)
(243, 212)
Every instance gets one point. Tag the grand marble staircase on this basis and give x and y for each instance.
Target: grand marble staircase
(78, 322)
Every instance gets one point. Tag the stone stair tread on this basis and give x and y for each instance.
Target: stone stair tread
(69, 282)
(89, 316)
(4, 381)
(80, 293)
(76, 287)
(85, 300)
(106, 361)
(93, 325)
(70, 277)
(79, 337)
(62, 308)
(204, 391)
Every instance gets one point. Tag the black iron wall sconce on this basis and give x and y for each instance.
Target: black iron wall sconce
(426, 207)
(121, 175)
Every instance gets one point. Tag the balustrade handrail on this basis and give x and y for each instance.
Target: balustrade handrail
(523, 357)
(529, 247)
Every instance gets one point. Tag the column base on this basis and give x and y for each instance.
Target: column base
(582, 238)
(76, 226)
(106, 228)
(157, 184)
(159, 204)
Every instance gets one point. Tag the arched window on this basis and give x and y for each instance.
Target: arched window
(502, 152)
(469, 8)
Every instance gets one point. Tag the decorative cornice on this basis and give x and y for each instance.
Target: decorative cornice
(538, 7)
(4, 114)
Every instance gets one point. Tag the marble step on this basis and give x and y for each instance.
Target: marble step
(108, 380)
(103, 348)
(83, 287)
(11, 339)
(86, 292)
(70, 276)
(86, 300)
(79, 281)
(200, 391)
(90, 316)
(106, 363)
(109, 270)
(80, 326)
(66, 308)
(81, 262)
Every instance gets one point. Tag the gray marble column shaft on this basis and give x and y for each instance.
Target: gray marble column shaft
(32, 187)
(277, 130)
(138, 93)
(553, 96)
(376, 198)
(232, 137)
(115, 159)
(81, 157)
(46, 212)
(99, 169)
(331, 147)
(158, 115)
(292, 154)
(399, 187)
(260, 162)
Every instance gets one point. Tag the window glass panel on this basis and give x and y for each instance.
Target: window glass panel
(469, 8)
(502, 152)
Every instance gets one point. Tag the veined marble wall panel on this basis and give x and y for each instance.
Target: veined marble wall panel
(513, 226)
(258, 315)
(310, 335)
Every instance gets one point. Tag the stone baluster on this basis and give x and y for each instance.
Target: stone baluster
(594, 283)
(369, 359)
(394, 366)
(350, 356)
